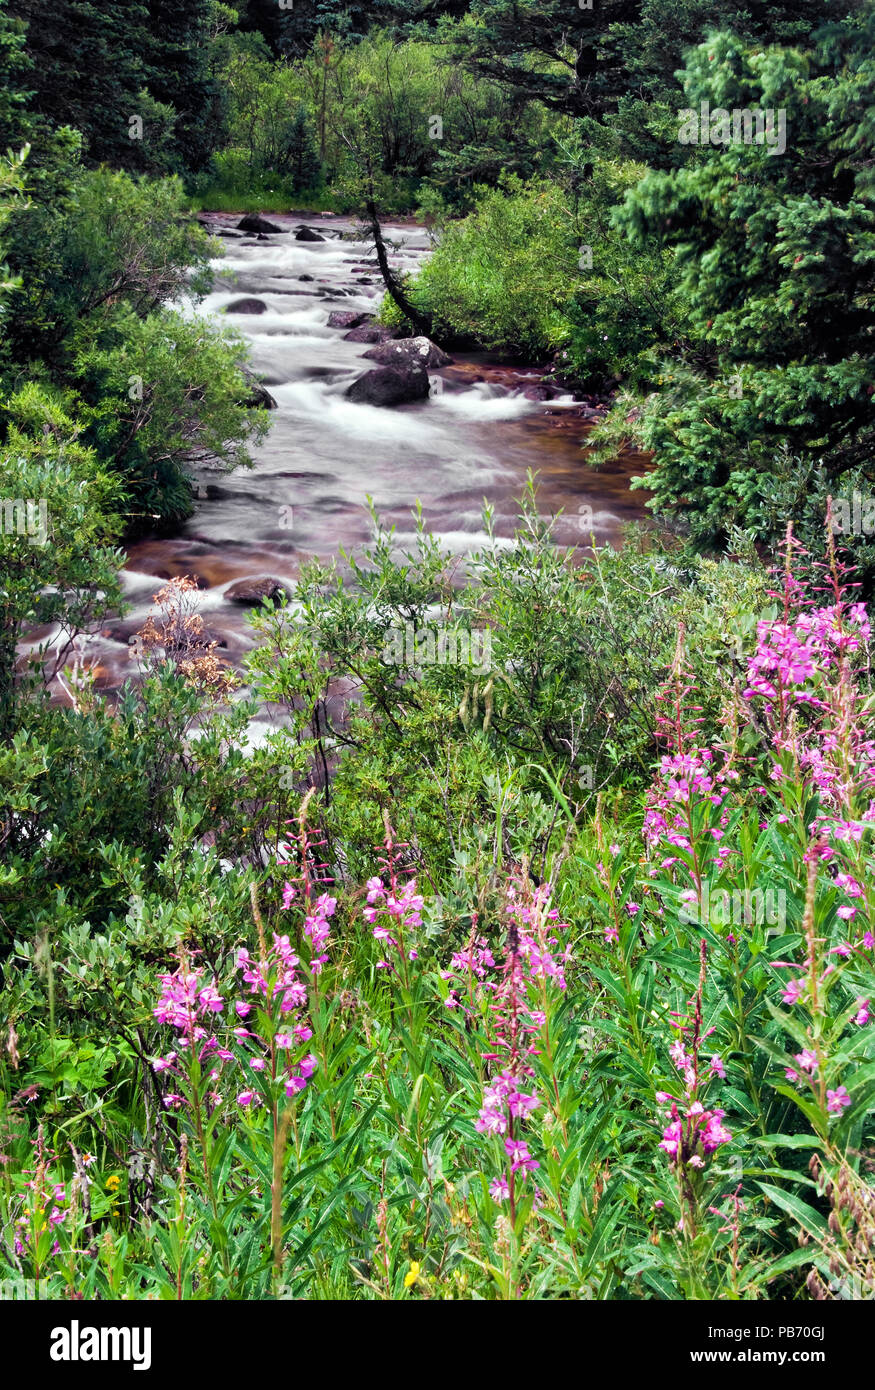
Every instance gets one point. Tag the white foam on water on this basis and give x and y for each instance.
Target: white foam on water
(484, 402)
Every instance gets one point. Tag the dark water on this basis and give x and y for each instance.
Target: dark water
(475, 438)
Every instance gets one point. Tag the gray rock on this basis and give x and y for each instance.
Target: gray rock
(307, 234)
(347, 318)
(409, 350)
(254, 222)
(258, 396)
(390, 385)
(369, 333)
(252, 591)
(246, 306)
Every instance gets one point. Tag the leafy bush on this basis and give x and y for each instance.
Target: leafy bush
(472, 1090)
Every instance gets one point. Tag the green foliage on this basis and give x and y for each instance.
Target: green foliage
(486, 822)
(96, 69)
(774, 257)
(111, 240)
(380, 92)
(59, 519)
(168, 388)
(502, 275)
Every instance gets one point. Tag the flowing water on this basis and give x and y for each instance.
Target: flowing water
(474, 439)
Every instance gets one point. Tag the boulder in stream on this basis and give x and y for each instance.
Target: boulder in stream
(391, 385)
(369, 333)
(254, 222)
(307, 234)
(259, 397)
(252, 591)
(408, 351)
(246, 306)
(347, 318)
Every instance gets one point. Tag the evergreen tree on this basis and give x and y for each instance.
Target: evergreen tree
(775, 258)
(301, 157)
(14, 71)
(86, 71)
(615, 62)
(179, 76)
(291, 28)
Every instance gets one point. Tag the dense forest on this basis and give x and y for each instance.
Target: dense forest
(529, 953)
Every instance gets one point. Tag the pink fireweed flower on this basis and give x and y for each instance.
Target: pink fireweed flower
(182, 999)
(717, 1067)
(793, 991)
(862, 1016)
(499, 1189)
(837, 1100)
(476, 958)
(671, 1138)
(806, 1061)
(612, 936)
(518, 1153)
(211, 999)
(715, 1132)
(849, 884)
(678, 1055)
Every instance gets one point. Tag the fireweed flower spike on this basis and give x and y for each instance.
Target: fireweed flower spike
(394, 911)
(514, 1000)
(692, 1132)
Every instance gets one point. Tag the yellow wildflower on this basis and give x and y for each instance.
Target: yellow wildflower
(412, 1275)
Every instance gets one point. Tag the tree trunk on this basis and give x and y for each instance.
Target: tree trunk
(421, 322)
